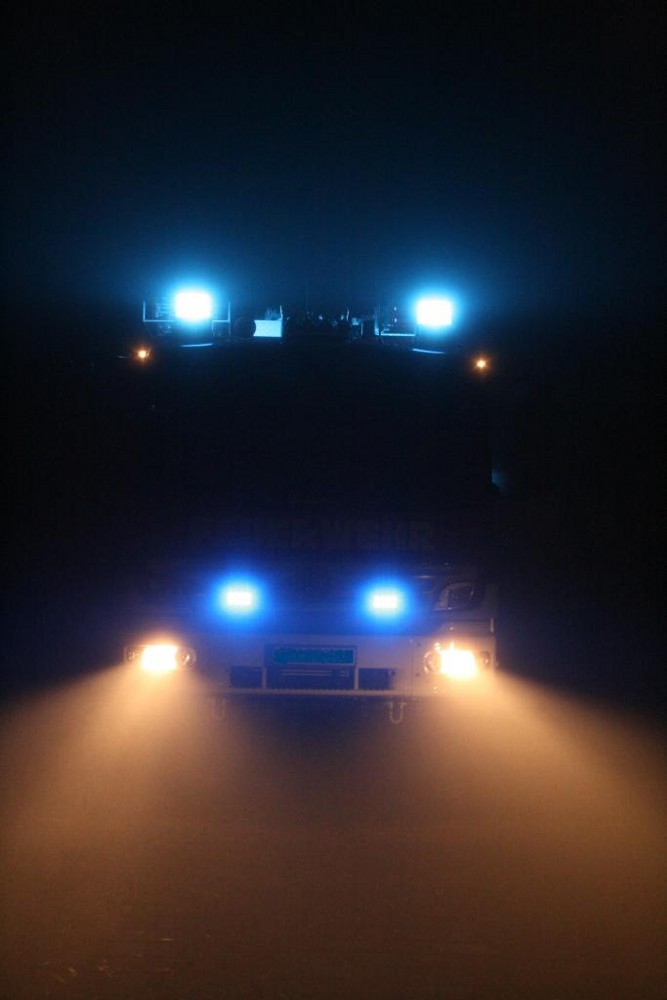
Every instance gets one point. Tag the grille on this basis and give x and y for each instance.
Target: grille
(310, 678)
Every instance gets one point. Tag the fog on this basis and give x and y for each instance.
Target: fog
(506, 842)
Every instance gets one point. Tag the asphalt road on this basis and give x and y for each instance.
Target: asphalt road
(509, 845)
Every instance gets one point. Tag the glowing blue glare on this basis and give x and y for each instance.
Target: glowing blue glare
(385, 601)
(239, 598)
(192, 305)
(435, 312)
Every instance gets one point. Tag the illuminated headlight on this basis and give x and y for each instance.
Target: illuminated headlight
(193, 306)
(239, 598)
(160, 657)
(385, 601)
(142, 354)
(452, 661)
(435, 313)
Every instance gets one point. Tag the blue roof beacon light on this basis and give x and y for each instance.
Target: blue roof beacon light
(189, 316)
(435, 313)
(193, 305)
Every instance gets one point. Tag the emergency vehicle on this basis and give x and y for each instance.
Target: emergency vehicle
(329, 534)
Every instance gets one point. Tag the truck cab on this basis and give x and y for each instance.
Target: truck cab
(323, 524)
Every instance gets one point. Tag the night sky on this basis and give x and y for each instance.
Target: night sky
(345, 154)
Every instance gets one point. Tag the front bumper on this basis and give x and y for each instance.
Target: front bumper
(349, 665)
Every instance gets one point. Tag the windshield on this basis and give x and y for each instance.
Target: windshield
(277, 427)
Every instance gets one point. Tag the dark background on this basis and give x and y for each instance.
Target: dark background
(343, 158)
(511, 155)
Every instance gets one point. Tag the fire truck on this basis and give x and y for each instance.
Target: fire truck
(322, 521)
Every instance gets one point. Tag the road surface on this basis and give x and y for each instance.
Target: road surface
(510, 844)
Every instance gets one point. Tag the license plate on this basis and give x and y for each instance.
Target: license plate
(310, 656)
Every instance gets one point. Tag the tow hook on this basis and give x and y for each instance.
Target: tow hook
(396, 711)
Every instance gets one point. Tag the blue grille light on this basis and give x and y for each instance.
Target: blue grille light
(385, 602)
(239, 598)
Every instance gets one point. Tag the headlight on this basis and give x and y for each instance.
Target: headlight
(160, 657)
(451, 661)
